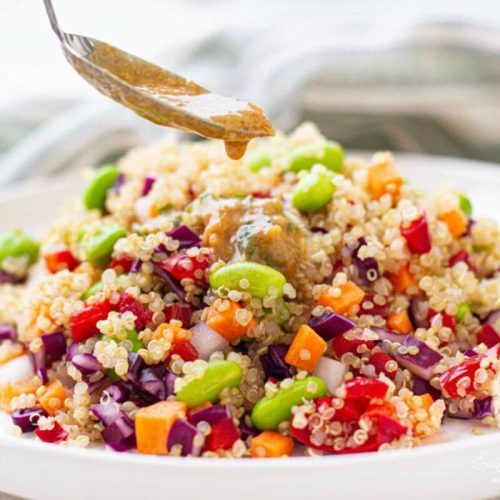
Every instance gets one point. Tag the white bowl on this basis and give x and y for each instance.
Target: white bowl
(454, 464)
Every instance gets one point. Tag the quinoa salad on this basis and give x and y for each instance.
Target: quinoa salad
(292, 302)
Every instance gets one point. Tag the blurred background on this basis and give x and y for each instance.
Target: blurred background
(410, 76)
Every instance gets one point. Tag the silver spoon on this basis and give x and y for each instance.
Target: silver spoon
(159, 95)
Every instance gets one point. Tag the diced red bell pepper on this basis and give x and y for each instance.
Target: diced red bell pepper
(417, 236)
(55, 435)
(351, 411)
(361, 387)
(83, 324)
(387, 431)
(467, 368)
(462, 256)
(342, 345)
(488, 335)
(185, 350)
(142, 313)
(180, 312)
(447, 320)
(124, 264)
(260, 194)
(375, 310)
(450, 378)
(181, 266)
(379, 361)
(222, 436)
(63, 259)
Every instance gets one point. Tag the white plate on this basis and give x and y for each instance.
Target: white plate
(455, 464)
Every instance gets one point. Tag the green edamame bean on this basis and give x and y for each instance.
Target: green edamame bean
(462, 310)
(330, 154)
(219, 375)
(259, 161)
(17, 244)
(313, 192)
(261, 279)
(268, 413)
(93, 290)
(100, 246)
(97, 189)
(133, 336)
(465, 205)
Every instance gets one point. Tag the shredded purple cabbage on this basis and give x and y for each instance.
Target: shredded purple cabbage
(54, 346)
(483, 408)
(120, 435)
(8, 331)
(149, 182)
(367, 269)
(212, 414)
(273, 362)
(174, 285)
(423, 362)
(186, 237)
(187, 436)
(120, 181)
(86, 363)
(118, 392)
(27, 418)
(329, 325)
(136, 266)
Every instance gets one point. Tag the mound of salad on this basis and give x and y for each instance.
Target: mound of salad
(293, 301)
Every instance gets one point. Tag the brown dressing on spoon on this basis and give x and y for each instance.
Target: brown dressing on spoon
(166, 98)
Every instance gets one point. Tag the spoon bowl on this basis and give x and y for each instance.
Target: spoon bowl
(161, 96)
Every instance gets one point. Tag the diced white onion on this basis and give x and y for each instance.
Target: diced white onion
(19, 369)
(142, 208)
(332, 372)
(207, 341)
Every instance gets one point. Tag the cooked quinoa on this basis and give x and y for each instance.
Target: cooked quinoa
(292, 301)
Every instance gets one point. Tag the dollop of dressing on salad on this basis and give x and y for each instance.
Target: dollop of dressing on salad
(254, 229)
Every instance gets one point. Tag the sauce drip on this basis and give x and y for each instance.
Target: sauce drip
(235, 150)
(166, 98)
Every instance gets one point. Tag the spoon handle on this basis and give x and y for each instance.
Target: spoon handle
(52, 18)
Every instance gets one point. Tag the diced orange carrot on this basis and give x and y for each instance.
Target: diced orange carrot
(153, 211)
(384, 178)
(306, 349)
(456, 222)
(153, 423)
(270, 444)
(399, 322)
(13, 389)
(375, 410)
(401, 280)
(425, 401)
(173, 333)
(225, 323)
(52, 399)
(351, 295)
